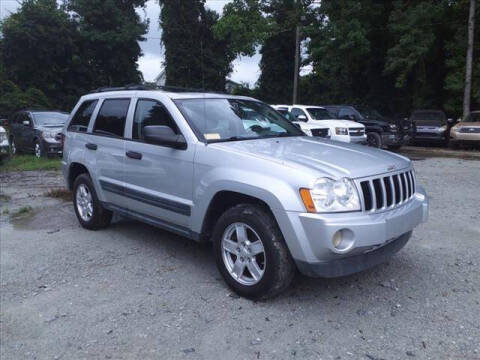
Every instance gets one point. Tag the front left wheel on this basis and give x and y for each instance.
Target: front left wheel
(37, 147)
(251, 253)
(88, 208)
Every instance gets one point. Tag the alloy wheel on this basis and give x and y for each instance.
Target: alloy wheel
(84, 202)
(243, 254)
(38, 150)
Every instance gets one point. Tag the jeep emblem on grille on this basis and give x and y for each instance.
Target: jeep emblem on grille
(391, 167)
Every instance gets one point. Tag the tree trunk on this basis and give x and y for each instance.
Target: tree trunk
(468, 72)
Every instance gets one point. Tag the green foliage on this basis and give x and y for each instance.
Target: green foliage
(109, 32)
(29, 163)
(37, 51)
(194, 57)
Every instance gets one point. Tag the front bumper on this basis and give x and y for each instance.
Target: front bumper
(376, 237)
(393, 139)
(430, 136)
(52, 148)
(4, 150)
(358, 139)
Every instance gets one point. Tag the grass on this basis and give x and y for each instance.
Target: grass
(29, 163)
(5, 197)
(60, 193)
(24, 210)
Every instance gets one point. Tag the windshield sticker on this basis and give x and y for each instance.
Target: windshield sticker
(212, 136)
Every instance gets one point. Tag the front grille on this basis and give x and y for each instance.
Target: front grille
(387, 192)
(356, 131)
(320, 132)
(470, 130)
(427, 134)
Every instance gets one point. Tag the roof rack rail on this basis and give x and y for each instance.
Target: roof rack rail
(126, 87)
(154, 87)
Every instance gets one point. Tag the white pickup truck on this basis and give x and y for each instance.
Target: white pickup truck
(317, 121)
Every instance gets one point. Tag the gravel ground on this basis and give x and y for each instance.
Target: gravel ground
(135, 292)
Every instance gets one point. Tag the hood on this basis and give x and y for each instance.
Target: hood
(56, 127)
(2, 130)
(325, 157)
(468, 124)
(311, 125)
(337, 123)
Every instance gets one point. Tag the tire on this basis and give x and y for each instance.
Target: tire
(275, 262)
(37, 149)
(13, 146)
(97, 217)
(374, 140)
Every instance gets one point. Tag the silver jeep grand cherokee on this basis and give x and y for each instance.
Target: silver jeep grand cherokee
(233, 171)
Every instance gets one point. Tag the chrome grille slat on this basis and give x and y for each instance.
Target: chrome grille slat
(389, 191)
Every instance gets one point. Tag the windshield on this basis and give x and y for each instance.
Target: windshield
(319, 114)
(473, 117)
(232, 119)
(429, 118)
(370, 114)
(50, 118)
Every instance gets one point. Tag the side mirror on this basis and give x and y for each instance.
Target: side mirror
(450, 121)
(26, 122)
(3, 122)
(302, 118)
(459, 119)
(165, 136)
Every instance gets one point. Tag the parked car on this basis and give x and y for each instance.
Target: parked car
(466, 131)
(339, 130)
(431, 126)
(4, 148)
(380, 133)
(269, 198)
(309, 129)
(36, 131)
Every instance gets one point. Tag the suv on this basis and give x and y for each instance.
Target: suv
(339, 130)
(432, 126)
(466, 131)
(36, 131)
(271, 199)
(4, 148)
(308, 128)
(380, 133)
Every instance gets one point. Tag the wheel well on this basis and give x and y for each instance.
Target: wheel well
(75, 170)
(223, 201)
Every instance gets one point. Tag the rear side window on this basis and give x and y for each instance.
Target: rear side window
(151, 112)
(82, 117)
(111, 117)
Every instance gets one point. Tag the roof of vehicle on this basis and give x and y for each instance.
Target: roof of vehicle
(42, 110)
(172, 95)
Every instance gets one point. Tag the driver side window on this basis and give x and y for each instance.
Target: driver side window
(296, 112)
(151, 112)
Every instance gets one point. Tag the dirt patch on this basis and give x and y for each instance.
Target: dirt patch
(60, 193)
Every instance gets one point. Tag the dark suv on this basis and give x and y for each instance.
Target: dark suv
(36, 131)
(380, 133)
(432, 126)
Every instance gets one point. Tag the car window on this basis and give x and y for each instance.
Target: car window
(319, 114)
(151, 112)
(50, 118)
(346, 112)
(296, 112)
(111, 117)
(82, 117)
(234, 119)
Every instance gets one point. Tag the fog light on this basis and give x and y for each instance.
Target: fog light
(343, 240)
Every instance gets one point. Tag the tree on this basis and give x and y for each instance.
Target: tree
(38, 50)
(194, 57)
(468, 72)
(110, 31)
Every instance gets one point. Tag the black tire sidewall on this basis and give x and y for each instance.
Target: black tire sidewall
(256, 219)
(378, 139)
(95, 221)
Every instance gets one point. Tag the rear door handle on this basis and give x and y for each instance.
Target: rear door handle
(91, 146)
(134, 155)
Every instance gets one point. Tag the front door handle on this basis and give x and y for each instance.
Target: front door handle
(91, 146)
(134, 155)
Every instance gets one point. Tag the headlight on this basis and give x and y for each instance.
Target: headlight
(442, 129)
(393, 127)
(307, 131)
(49, 135)
(341, 131)
(330, 195)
